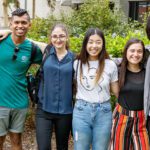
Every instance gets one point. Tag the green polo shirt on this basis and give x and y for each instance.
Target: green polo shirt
(13, 84)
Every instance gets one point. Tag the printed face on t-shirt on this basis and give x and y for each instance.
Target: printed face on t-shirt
(88, 80)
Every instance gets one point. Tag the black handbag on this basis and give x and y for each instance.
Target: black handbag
(33, 82)
(33, 85)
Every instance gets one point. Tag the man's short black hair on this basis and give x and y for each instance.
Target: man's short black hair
(20, 12)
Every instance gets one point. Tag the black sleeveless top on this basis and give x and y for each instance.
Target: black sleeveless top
(132, 93)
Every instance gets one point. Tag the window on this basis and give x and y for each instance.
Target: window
(137, 9)
(111, 5)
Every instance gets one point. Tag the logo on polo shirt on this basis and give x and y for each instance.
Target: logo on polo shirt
(24, 59)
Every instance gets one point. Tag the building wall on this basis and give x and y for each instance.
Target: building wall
(41, 9)
(124, 5)
(117, 3)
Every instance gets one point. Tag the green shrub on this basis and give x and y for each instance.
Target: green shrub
(96, 13)
(113, 101)
(40, 28)
(91, 14)
(114, 43)
(75, 43)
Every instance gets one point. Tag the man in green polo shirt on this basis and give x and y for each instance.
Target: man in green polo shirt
(15, 59)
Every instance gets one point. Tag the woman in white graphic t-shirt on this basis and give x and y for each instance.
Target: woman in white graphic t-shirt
(97, 77)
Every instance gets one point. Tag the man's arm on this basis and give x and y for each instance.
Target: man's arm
(4, 33)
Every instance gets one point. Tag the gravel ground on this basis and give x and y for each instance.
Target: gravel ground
(28, 138)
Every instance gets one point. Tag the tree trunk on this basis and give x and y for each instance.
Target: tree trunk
(33, 9)
(17, 3)
(5, 11)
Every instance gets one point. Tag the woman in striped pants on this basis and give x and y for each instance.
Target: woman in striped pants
(129, 124)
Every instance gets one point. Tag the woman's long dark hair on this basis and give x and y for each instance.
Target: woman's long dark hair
(124, 63)
(148, 27)
(84, 56)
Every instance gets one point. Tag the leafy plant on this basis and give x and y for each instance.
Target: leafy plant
(116, 44)
(93, 13)
(40, 28)
(76, 42)
(96, 13)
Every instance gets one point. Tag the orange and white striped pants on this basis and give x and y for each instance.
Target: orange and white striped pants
(128, 130)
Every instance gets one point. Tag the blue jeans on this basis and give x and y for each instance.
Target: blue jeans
(91, 125)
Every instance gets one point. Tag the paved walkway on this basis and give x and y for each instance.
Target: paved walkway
(29, 140)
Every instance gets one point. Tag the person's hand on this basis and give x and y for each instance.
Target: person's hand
(4, 34)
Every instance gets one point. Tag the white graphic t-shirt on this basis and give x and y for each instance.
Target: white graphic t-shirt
(87, 89)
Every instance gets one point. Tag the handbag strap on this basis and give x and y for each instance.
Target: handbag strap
(45, 56)
(76, 73)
